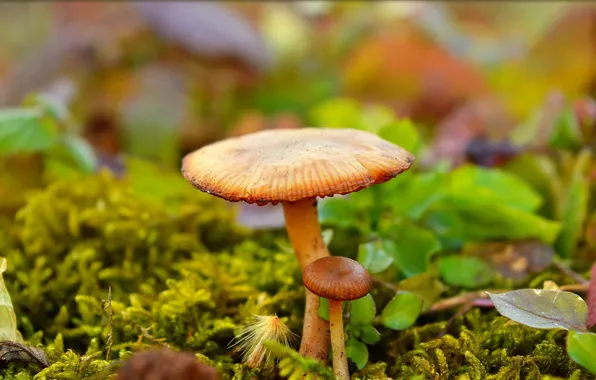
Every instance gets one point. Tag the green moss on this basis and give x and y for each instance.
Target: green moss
(181, 274)
(482, 345)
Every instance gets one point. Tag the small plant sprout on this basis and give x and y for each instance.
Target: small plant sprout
(263, 328)
(338, 279)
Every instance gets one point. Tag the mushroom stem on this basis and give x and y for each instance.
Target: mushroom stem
(340, 360)
(304, 231)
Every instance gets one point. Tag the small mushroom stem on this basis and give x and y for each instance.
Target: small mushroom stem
(340, 360)
(304, 231)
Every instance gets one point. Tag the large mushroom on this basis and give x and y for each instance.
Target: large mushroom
(294, 167)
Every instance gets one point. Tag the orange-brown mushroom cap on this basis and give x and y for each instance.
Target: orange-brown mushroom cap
(337, 278)
(290, 165)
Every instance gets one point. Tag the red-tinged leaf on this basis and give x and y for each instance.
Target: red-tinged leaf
(592, 300)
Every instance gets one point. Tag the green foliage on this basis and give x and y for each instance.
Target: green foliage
(42, 125)
(465, 272)
(581, 347)
(401, 312)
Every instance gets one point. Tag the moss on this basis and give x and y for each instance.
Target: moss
(481, 345)
(180, 273)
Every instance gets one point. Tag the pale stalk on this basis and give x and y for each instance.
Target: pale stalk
(340, 360)
(304, 231)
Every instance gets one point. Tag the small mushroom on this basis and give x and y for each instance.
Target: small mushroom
(294, 167)
(338, 279)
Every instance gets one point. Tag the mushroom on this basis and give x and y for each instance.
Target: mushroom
(294, 167)
(338, 279)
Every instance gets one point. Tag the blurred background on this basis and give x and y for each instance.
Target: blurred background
(481, 80)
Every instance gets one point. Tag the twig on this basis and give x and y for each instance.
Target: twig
(480, 298)
(569, 272)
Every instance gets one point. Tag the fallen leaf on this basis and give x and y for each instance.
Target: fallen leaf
(543, 309)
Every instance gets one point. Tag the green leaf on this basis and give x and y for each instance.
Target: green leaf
(492, 186)
(23, 130)
(374, 257)
(581, 348)
(369, 335)
(327, 236)
(362, 310)
(81, 152)
(357, 352)
(402, 133)
(413, 247)
(426, 286)
(539, 172)
(416, 196)
(402, 311)
(8, 318)
(338, 212)
(324, 308)
(543, 309)
(467, 272)
(448, 227)
(566, 134)
(502, 222)
(575, 206)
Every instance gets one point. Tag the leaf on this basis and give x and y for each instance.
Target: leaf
(327, 236)
(339, 212)
(81, 152)
(448, 227)
(575, 206)
(402, 311)
(357, 352)
(402, 133)
(22, 130)
(362, 310)
(413, 247)
(324, 308)
(539, 172)
(8, 318)
(467, 272)
(502, 222)
(566, 133)
(374, 256)
(581, 348)
(421, 192)
(591, 299)
(369, 335)
(543, 309)
(426, 286)
(491, 186)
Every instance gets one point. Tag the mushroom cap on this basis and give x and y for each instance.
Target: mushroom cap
(287, 165)
(337, 278)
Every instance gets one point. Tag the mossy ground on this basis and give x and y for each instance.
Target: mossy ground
(179, 272)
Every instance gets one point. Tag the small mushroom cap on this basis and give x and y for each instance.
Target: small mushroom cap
(293, 164)
(337, 278)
